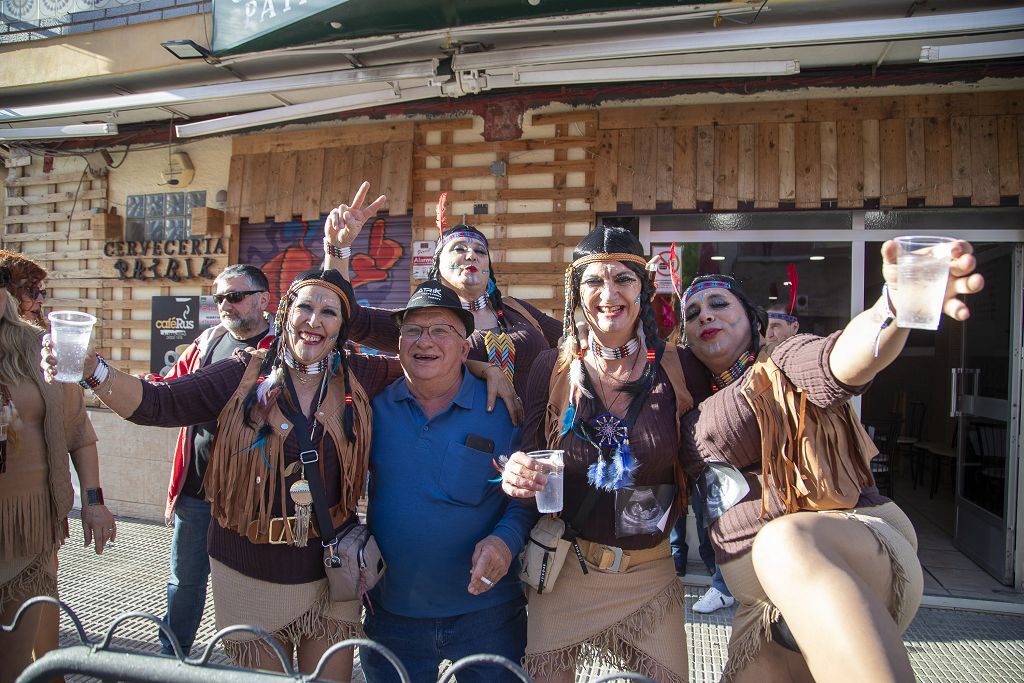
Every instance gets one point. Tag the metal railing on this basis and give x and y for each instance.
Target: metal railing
(99, 659)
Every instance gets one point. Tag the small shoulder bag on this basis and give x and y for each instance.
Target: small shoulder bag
(352, 558)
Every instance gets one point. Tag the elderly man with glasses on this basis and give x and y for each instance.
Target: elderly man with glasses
(241, 293)
(445, 529)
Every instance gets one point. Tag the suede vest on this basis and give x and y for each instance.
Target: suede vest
(243, 478)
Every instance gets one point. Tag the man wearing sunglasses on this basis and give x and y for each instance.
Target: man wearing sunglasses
(242, 298)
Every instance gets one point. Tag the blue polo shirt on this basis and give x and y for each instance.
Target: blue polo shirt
(431, 501)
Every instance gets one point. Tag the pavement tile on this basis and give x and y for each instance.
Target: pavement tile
(945, 646)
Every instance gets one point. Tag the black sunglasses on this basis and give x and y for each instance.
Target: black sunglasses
(235, 297)
(5, 276)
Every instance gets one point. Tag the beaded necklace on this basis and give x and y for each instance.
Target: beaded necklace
(478, 305)
(617, 353)
(314, 369)
(732, 374)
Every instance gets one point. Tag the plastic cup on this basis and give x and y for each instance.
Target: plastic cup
(922, 270)
(70, 332)
(550, 499)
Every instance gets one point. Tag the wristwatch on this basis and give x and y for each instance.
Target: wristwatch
(94, 496)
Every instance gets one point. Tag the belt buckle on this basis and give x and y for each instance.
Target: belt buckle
(616, 558)
(280, 538)
(313, 456)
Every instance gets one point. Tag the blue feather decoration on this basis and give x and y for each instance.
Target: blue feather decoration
(260, 443)
(625, 465)
(567, 419)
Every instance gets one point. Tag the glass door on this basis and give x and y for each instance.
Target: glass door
(985, 390)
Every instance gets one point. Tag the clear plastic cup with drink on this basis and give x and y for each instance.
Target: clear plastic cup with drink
(922, 270)
(550, 499)
(70, 332)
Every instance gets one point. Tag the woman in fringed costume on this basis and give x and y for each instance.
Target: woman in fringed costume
(266, 556)
(509, 332)
(614, 409)
(824, 568)
(40, 424)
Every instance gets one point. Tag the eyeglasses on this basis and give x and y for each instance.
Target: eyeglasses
(234, 297)
(438, 332)
(5, 276)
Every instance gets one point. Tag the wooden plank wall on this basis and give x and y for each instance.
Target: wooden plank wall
(929, 150)
(50, 218)
(277, 177)
(542, 203)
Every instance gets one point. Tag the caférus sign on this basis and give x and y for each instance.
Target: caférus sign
(177, 321)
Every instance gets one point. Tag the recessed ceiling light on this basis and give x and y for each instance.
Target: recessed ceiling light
(817, 258)
(717, 258)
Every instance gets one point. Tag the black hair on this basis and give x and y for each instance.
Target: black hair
(612, 240)
(256, 276)
(757, 316)
(493, 293)
(275, 354)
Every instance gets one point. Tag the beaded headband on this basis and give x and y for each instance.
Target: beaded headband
(282, 305)
(707, 284)
(445, 239)
(622, 256)
(782, 316)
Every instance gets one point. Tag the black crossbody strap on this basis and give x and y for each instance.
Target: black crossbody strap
(310, 458)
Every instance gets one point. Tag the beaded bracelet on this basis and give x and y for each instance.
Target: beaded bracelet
(99, 374)
(337, 252)
(889, 319)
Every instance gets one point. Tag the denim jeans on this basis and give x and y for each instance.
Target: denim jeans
(677, 543)
(423, 643)
(706, 550)
(189, 572)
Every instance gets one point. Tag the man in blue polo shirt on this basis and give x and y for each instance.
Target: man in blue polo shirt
(448, 534)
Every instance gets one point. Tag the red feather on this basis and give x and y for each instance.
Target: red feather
(442, 213)
(794, 282)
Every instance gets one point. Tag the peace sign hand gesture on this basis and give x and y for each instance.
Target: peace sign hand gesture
(345, 222)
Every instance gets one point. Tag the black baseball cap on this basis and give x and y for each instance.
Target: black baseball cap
(434, 294)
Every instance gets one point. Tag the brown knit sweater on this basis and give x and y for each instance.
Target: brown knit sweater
(723, 429)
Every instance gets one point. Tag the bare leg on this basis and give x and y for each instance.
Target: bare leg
(775, 664)
(831, 580)
(269, 662)
(17, 646)
(560, 677)
(48, 633)
(339, 666)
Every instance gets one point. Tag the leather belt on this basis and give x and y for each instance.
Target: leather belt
(277, 533)
(609, 558)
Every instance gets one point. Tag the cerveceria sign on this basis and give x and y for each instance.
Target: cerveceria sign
(168, 259)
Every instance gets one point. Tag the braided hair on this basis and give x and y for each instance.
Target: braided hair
(614, 240)
(493, 293)
(272, 372)
(755, 314)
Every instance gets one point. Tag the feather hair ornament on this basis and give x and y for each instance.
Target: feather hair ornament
(794, 282)
(442, 213)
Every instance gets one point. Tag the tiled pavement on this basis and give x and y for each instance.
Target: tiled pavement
(945, 645)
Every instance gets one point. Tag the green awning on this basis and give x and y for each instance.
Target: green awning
(254, 25)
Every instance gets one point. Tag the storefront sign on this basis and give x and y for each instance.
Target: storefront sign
(422, 259)
(165, 259)
(236, 22)
(177, 321)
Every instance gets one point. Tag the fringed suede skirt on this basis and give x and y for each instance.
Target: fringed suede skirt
(22, 578)
(632, 621)
(751, 625)
(288, 612)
